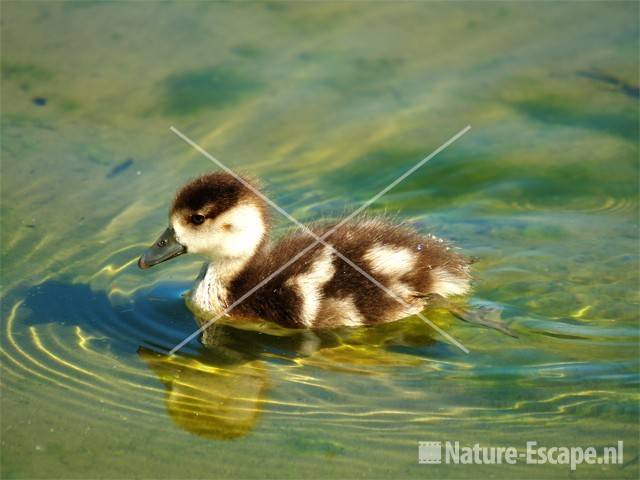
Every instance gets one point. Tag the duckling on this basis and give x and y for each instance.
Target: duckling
(219, 217)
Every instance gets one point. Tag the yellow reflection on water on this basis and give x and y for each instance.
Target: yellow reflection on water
(219, 403)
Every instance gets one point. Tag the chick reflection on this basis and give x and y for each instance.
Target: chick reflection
(221, 393)
(208, 396)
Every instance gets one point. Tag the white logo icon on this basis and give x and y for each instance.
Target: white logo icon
(430, 452)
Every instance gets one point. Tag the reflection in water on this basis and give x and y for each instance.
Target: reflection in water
(220, 402)
(84, 341)
(220, 394)
(97, 355)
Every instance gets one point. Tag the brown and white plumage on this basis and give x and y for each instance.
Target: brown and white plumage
(219, 217)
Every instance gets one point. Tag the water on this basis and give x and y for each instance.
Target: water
(327, 104)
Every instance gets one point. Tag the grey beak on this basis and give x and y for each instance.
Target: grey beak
(165, 248)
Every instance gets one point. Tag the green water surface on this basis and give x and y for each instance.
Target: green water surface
(327, 103)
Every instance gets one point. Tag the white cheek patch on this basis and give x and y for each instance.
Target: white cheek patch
(196, 239)
(389, 260)
(309, 285)
(235, 234)
(446, 283)
(239, 231)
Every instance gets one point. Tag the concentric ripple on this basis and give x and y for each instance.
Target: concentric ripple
(101, 354)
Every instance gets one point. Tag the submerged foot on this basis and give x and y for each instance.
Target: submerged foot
(483, 316)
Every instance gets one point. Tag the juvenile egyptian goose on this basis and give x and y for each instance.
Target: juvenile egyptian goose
(220, 218)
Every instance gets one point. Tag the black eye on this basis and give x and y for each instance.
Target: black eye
(197, 219)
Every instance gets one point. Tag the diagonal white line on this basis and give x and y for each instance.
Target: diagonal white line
(319, 239)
